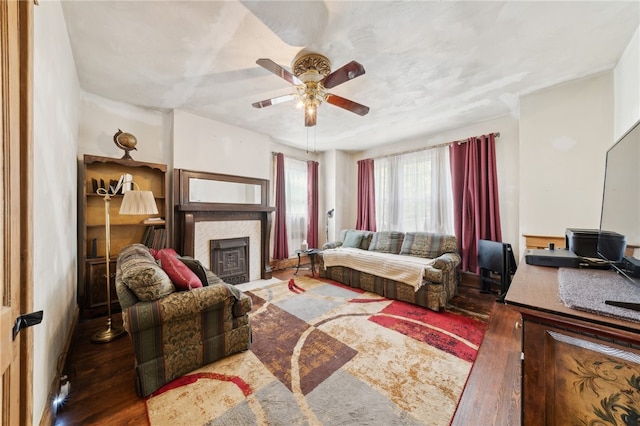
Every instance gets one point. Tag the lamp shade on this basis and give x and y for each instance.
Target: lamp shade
(138, 202)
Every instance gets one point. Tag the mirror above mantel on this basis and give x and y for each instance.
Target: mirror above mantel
(215, 191)
(223, 192)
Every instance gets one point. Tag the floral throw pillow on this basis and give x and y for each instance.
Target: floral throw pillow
(145, 278)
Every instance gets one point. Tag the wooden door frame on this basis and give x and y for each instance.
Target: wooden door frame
(19, 187)
(26, 205)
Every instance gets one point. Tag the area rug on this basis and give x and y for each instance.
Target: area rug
(327, 354)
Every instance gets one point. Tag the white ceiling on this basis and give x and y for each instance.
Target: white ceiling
(430, 66)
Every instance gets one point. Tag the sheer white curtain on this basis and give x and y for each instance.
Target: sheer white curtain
(413, 192)
(295, 181)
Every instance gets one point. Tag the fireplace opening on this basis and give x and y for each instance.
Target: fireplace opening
(230, 259)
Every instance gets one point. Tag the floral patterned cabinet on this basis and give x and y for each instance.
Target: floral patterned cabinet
(578, 368)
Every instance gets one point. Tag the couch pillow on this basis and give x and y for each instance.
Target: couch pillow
(196, 267)
(206, 276)
(366, 240)
(135, 250)
(426, 244)
(352, 239)
(386, 242)
(182, 277)
(364, 243)
(145, 278)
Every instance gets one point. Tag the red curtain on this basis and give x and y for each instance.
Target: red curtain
(312, 196)
(366, 196)
(280, 245)
(474, 180)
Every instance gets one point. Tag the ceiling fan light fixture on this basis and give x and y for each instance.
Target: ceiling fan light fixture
(312, 108)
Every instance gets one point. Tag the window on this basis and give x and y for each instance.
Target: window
(295, 181)
(413, 192)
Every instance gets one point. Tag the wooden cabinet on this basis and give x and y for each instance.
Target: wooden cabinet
(97, 286)
(542, 241)
(578, 367)
(125, 229)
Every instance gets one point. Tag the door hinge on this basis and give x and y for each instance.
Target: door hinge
(26, 320)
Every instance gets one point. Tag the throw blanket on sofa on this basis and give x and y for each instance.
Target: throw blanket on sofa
(405, 269)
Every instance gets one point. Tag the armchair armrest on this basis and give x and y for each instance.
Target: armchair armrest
(180, 305)
(447, 261)
(331, 245)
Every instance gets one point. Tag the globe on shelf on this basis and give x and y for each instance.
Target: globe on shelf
(125, 141)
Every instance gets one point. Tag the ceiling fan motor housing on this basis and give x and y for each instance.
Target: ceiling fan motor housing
(311, 67)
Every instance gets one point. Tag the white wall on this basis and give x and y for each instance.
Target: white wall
(327, 198)
(340, 193)
(55, 118)
(206, 145)
(565, 131)
(507, 149)
(100, 119)
(211, 146)
(626, 81)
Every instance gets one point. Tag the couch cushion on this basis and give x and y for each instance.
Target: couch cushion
(428, 245)
(182, 277)
(364, 242)
(145, 277)
(386, 242)
(135, 250)
(204, 274)
(352, 239)
(196, 267)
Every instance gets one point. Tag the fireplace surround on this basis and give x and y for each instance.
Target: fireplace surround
(202, 197)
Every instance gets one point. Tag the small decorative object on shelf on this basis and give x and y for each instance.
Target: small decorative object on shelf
(125, 141)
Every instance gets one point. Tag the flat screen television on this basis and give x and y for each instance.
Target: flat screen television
(619, 236)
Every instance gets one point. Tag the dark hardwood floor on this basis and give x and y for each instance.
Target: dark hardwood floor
(103, 391)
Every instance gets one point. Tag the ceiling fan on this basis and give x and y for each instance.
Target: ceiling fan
(312, 76)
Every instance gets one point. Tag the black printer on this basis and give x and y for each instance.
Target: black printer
(584, 243)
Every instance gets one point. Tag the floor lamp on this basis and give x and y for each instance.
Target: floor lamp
(329, 216)
(133, 202)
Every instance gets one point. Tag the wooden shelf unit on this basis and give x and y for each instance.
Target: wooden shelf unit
(125, 229)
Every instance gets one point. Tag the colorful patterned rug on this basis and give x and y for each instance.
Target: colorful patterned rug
(327, 354)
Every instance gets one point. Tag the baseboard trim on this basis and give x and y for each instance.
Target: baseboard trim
(49, 415)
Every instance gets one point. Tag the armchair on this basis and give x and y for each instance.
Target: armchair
(175, 332)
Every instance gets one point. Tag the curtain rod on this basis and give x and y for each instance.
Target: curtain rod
(273, 153)
(495, 134)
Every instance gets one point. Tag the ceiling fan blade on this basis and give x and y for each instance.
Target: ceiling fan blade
(348, 72)
(341, 102)
(273, 101)
(269, 65)
(310, 118)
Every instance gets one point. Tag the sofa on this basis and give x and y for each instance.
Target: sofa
(178, 314)
(415, 267)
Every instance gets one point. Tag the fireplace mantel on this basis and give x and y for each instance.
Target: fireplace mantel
(189, 211)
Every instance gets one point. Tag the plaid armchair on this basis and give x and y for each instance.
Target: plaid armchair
(175, 332)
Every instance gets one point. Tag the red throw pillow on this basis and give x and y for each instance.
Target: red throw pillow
(182, 277)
